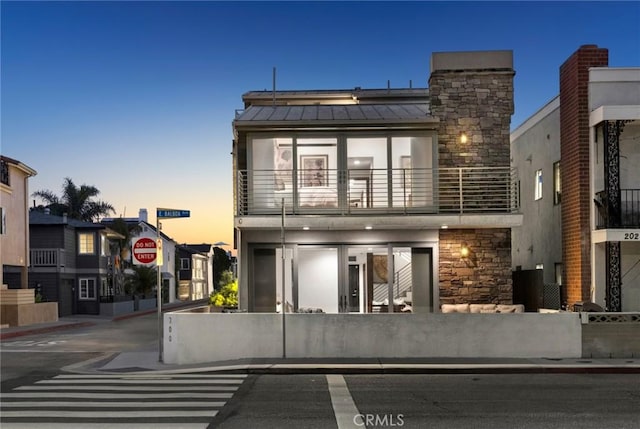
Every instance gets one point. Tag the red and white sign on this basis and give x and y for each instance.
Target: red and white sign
(144, 251)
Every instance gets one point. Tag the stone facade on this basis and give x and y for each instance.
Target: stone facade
(485, 275)
(479, 104)
(472, 93)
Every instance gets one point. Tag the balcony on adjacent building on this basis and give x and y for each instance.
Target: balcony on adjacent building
(459, 191)
(624, 213)
(47, 258)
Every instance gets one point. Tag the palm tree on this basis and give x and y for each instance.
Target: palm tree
(142, 279)
(76, 202)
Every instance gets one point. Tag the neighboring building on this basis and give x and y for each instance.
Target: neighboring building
(194, 276)
(595, 126)
(391, 196)
(71, 262)
(14, 222)
(168, 270)
(208, 250)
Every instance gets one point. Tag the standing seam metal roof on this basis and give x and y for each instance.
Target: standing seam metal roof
(352, 112)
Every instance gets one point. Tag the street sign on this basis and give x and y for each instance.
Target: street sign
(172, 213)
(144, 251)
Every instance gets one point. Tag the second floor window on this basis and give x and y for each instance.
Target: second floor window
(184, 264)
(538, 185)
(86, 245)
(557, 184)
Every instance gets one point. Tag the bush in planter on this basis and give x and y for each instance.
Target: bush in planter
(227, 296)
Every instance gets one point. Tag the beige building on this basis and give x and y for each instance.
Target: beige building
(14, 228)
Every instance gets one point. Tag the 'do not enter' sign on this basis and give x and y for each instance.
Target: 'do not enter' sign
(144, 251)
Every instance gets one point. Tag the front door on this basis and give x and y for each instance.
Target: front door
(353, 294)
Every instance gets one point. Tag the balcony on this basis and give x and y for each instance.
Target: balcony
(628, 216)
(459, 191)
(47, 258)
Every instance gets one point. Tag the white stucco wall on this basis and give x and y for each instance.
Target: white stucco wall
(535, 145)
(206, 337)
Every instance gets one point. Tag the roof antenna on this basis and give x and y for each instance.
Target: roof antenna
(274, 86)
(410, 84)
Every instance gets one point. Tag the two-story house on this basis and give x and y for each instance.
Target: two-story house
(194, 276)
(147, 230)
(348, 201)
(14, 222)
(579, 160)
(71, 262)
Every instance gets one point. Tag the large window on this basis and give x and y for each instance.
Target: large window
(380, 171)
(557, 184)
(86, 245)
(87, 289)
(538, 185)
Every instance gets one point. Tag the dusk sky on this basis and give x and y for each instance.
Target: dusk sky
(138, 98)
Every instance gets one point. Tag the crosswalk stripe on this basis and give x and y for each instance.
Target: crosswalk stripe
(181, 388)
(111, 414)
(149, 376)
(110, 425)
(110, 404)
(145, 382)
(92, 395)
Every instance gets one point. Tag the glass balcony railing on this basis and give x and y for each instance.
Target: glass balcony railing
(380, 191)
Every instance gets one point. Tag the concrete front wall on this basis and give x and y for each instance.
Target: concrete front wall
(205, 337)
(535, 145)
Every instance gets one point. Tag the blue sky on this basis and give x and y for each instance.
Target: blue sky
(137, 98)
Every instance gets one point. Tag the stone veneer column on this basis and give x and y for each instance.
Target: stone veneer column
(574, 153)
(472, 93)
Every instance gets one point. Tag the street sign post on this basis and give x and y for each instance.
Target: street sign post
(164, 214)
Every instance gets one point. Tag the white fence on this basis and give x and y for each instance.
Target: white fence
(191, 338)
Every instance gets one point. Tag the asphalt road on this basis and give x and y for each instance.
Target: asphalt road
(47, 353)
(536, 401)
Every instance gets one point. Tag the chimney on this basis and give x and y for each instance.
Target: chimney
(143, 215)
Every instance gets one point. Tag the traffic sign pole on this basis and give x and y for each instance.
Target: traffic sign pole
(163, 214)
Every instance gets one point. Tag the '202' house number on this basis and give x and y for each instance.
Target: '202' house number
(631, 236)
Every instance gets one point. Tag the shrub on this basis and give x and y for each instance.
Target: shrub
(227, 296)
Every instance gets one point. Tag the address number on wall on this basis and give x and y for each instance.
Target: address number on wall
(631, 236)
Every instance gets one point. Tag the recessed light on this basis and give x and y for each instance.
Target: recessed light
(368, 227)
(306, 228)
(356, 162)
(444, 226)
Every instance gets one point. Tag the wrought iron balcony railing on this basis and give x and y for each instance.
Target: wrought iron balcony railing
(380, 191)
(624, 213)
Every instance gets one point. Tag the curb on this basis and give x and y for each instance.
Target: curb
(44, 330)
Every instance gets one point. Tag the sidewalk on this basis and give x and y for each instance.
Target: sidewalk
(141, 362)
